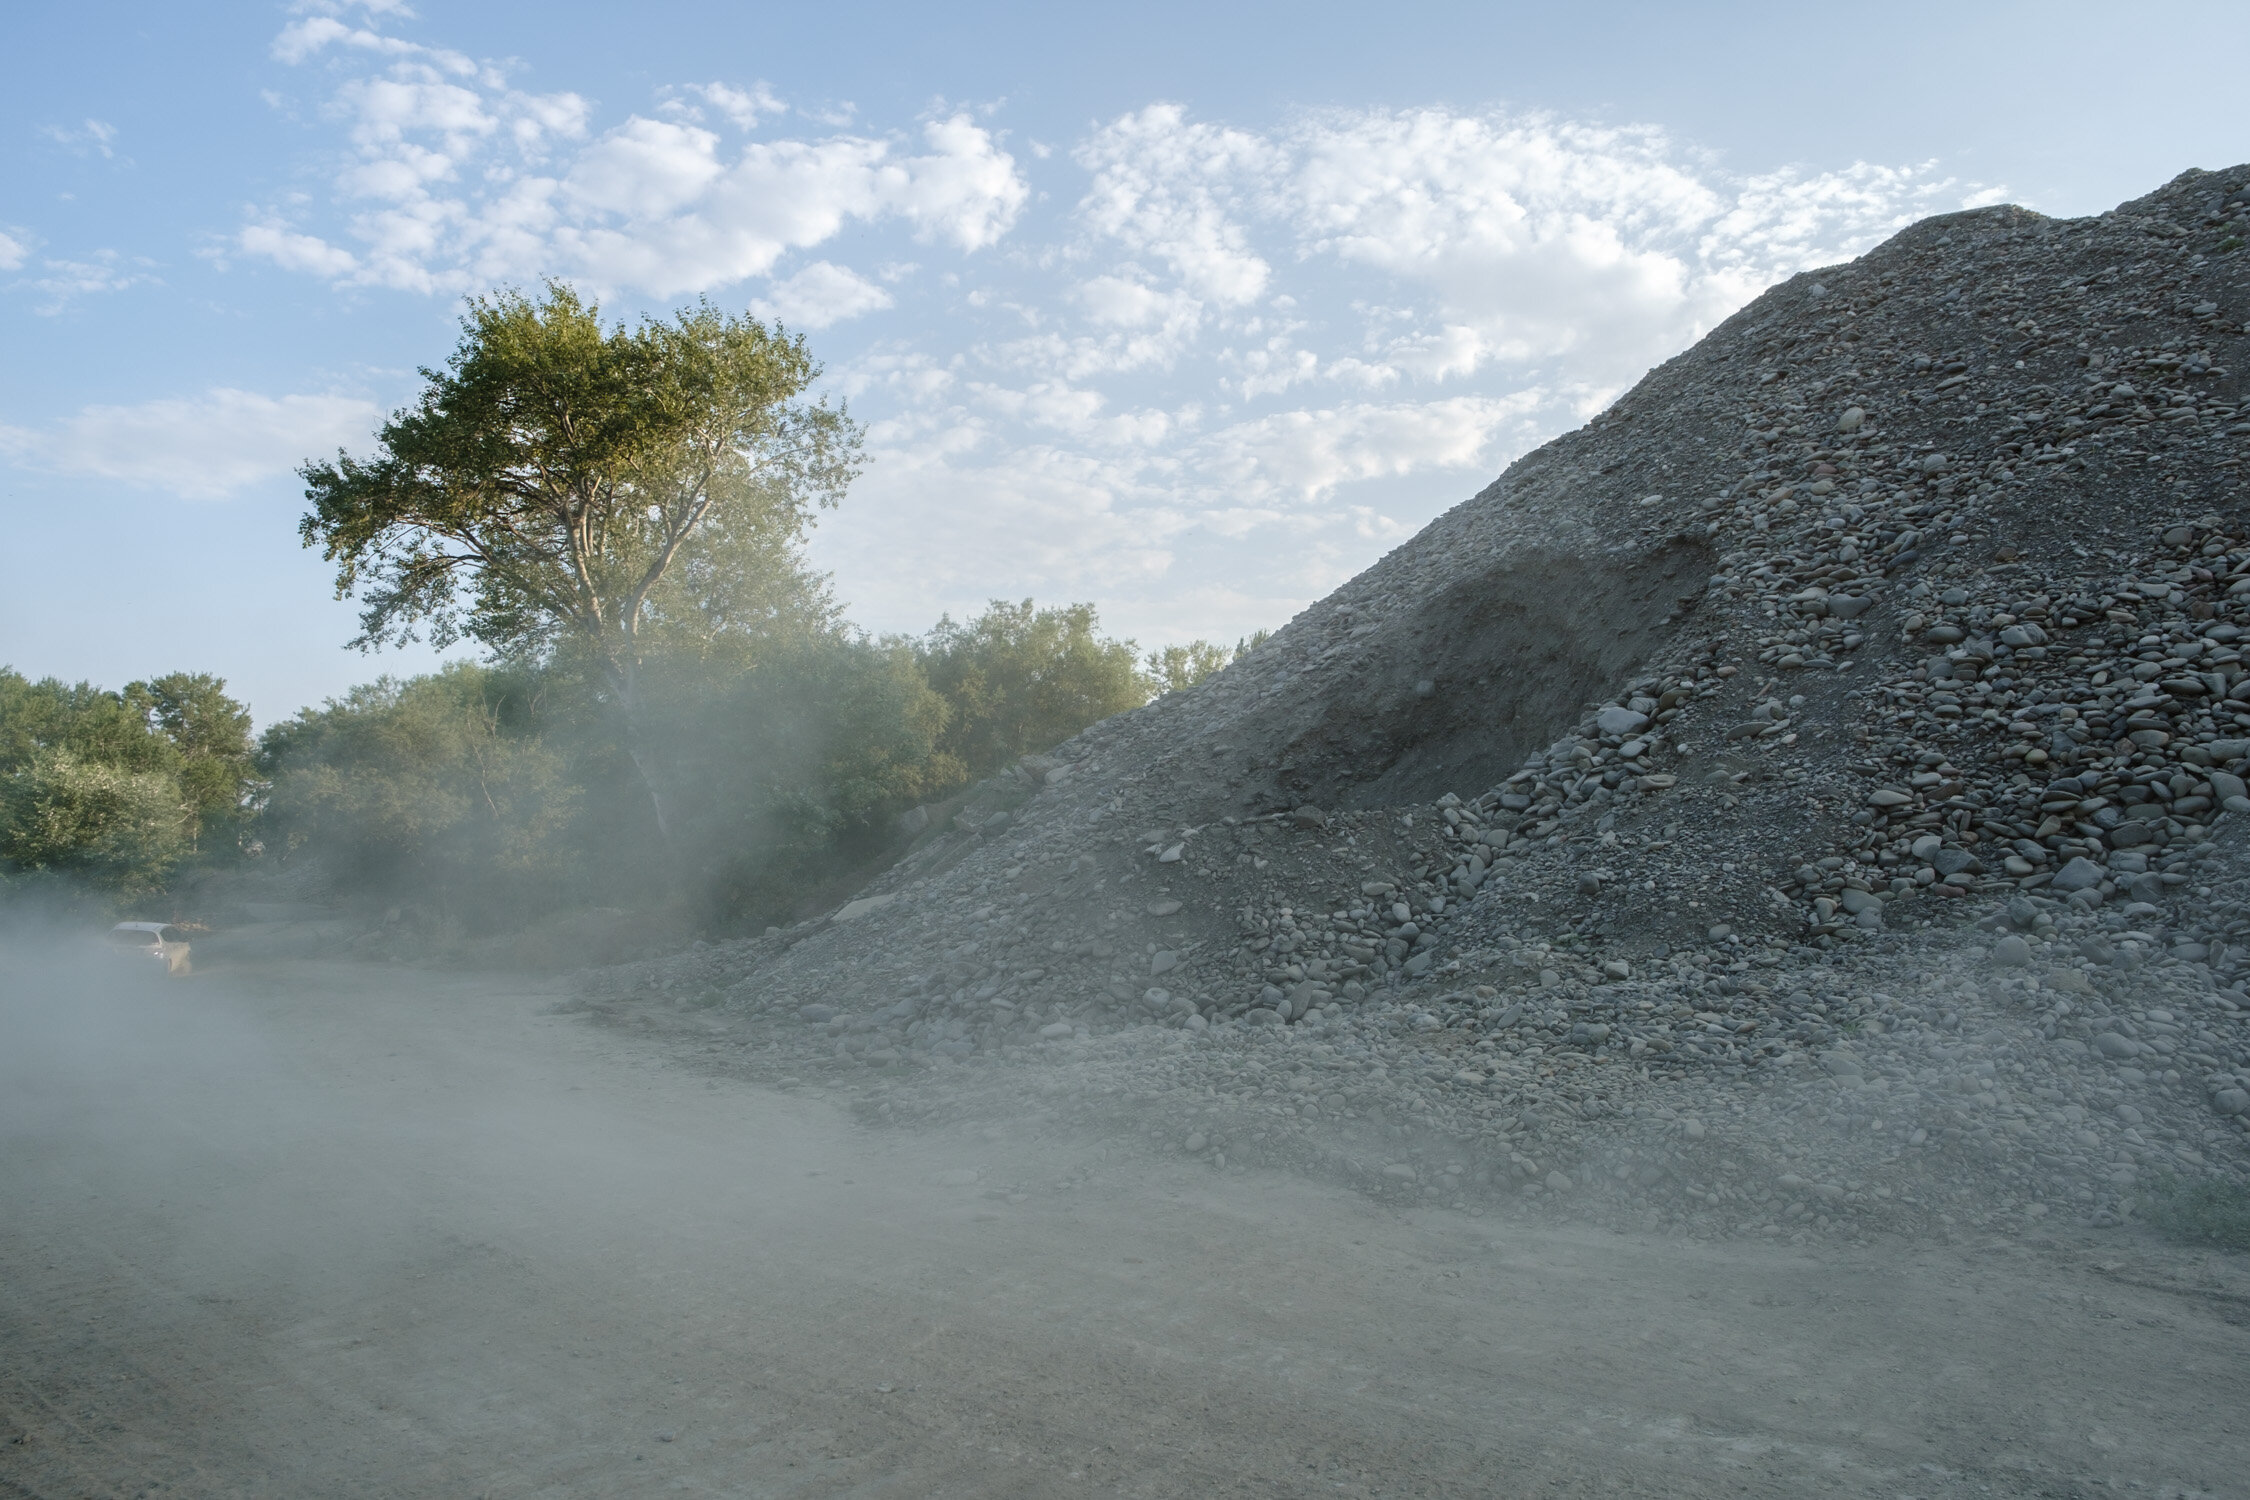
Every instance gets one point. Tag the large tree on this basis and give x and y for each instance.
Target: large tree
(555, 473)
(211, 732)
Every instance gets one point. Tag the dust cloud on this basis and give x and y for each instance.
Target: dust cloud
(299, 1227)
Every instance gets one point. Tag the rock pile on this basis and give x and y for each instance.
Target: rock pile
(1814, 790)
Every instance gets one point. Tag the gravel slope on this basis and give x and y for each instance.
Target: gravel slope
(1808, 799)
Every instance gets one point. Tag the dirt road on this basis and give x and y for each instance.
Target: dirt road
(312, 1230)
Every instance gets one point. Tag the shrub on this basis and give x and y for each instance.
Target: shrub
(440, 784)
(1019, 679)
(119, 830)
(118, 789)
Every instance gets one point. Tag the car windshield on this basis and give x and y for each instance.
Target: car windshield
(127, 937)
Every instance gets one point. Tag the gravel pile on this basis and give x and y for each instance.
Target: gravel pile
(1808, 799)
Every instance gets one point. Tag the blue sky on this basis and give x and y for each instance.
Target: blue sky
(1191, 311)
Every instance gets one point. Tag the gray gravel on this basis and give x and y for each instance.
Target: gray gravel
(1808, 801)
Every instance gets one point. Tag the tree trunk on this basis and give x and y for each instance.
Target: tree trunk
(637, 749)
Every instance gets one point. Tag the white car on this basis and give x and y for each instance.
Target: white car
(155, 942)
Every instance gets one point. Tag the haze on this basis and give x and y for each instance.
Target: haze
(1286, 752)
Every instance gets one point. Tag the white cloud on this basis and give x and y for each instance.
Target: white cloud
(1124, 302)
(1537, 237)
(1165, 186)
(1270, 370)
(965, 514)
(297, 252)
(644, 169)
(965, 191)
(1253, 359)
(1303, 456)
(819, 295)
(301, 40)
(725, 221)
(89, 135)
(1212, 368)
(1136, 327)
(741, 107)
(60, 281)
(201, 447)
(457, 181)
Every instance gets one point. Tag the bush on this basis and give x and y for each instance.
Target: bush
(439, 785)
(1178, 668)
(119, 789)
(1019, 680)
(121, 831)
(794, 771)
(783, 743)
(505, 790)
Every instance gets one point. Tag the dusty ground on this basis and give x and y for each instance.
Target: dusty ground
(303, 1229)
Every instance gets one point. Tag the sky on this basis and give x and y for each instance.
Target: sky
(1191, 311)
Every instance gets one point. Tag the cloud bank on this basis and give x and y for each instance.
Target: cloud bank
(201, 447)
(453, 180)
(1197, 370)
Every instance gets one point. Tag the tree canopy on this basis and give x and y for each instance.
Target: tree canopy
(1020, 679)
(118, 789)
(555, 475)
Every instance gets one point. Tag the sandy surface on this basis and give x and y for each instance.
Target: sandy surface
(319, 1229)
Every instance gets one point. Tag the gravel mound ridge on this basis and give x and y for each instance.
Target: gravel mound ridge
(1807, 799)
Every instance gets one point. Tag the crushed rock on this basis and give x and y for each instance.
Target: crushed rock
(1806, 801)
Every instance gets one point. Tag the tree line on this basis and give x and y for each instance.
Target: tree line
(669, 705)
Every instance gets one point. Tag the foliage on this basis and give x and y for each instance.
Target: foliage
(440, 784)
(1020, 679)
(791, 744)
(211, 733)
(555, 475)
(1178, 668)
(546, 481)
(117, 789)
(91, 723)
(119, 830)
(500, 790)
(797, 768)
(1175, 669)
